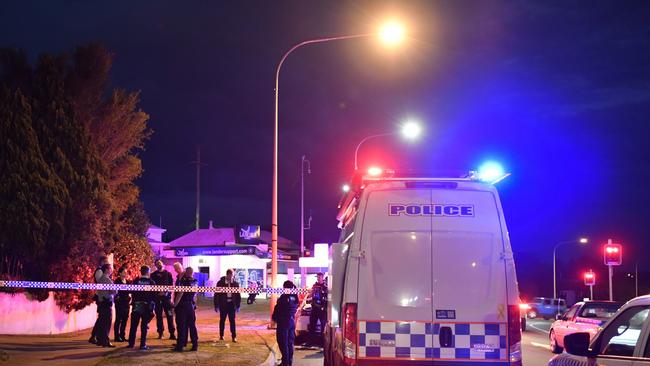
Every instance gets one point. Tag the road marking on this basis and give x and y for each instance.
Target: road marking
(539, 329)
(539, 345)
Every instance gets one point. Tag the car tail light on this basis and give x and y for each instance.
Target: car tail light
(514, 334)
(350, 334)
(524, 307)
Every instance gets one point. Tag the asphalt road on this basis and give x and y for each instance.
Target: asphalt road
(534, 347)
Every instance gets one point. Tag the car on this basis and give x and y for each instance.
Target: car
(423, 274)
(622, 341)
(546, 308)
(302, 318)
(584, 316)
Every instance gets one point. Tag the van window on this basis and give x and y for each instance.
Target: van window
(401, 268)
(547, 302)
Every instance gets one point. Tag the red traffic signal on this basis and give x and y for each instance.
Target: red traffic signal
(613, 254)
(590, 279)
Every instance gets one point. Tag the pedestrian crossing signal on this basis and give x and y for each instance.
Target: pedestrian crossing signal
(590, 279)
(613, 254)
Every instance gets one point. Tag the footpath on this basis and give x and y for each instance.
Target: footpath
(255, 344)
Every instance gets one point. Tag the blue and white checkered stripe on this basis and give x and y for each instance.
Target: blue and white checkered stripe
(420, 340)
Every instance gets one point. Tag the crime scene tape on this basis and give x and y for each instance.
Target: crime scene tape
(154, 288)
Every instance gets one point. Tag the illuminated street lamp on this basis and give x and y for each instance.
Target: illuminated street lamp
(582, 241)
(346, 188)
(390, 35)
(410, 130)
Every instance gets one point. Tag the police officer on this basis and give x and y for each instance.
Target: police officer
(227, 304)
(122, 305)
(318, 308)
(96, 276)
(143, 307)
(284, 316)
(184, 306)
(105, 307)
(161, 276)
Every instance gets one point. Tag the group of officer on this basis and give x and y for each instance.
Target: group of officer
(143, 305)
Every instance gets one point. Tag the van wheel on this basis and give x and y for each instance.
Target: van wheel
(553, 343)
(532, 314)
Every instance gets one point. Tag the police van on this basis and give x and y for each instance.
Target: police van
(423, 275)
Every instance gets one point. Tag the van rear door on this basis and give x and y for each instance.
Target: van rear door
(469, 277)
(395, 278)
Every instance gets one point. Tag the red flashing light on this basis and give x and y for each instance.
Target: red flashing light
(613, 254)
(375, 171)
(590, 278)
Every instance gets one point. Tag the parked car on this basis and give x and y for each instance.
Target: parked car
(587, 316)
(546, 307)
(622, 341)
(302, 318)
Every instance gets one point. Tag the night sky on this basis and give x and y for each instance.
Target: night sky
(559, 92)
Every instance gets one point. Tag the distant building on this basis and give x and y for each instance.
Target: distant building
(154, 236)
(211, 251)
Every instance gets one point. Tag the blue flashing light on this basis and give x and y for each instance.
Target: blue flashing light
(491, 172)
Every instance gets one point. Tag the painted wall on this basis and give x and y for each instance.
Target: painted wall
(19, 315)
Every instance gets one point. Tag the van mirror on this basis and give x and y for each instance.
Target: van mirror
(577, 344)
(337, 274)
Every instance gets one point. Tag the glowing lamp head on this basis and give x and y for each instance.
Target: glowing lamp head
(346, 188)
(491, 172)
(411, 130)
(392, 33)
(375, 171)
(583, 240)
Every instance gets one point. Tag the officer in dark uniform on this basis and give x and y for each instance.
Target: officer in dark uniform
(161, 276)
(143, 307)
(284, 316)
(122, 305)
(96, 276)
(318, 308)
(184, 305)
(227, 304)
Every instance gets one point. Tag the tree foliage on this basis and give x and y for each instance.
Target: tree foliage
(70, 160)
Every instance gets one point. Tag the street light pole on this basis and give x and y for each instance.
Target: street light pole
(274, 199)
(303, 271)
(581, 240)
(636, 278)
(356, 151)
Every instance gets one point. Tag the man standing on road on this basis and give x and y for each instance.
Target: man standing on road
(96, 276)
(227, 304)
(284, 316)
(318, 308)
(161, 276)
(184, 305)
(143, 307)
(105, 308)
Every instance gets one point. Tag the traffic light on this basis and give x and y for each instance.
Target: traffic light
(590, 279)
(613, 254)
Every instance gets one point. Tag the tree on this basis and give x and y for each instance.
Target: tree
(70, 167)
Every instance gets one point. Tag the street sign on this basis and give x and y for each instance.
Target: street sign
(613, 254)
(590, 278)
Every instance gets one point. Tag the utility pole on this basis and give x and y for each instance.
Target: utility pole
(198, 187)
(303, 271)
